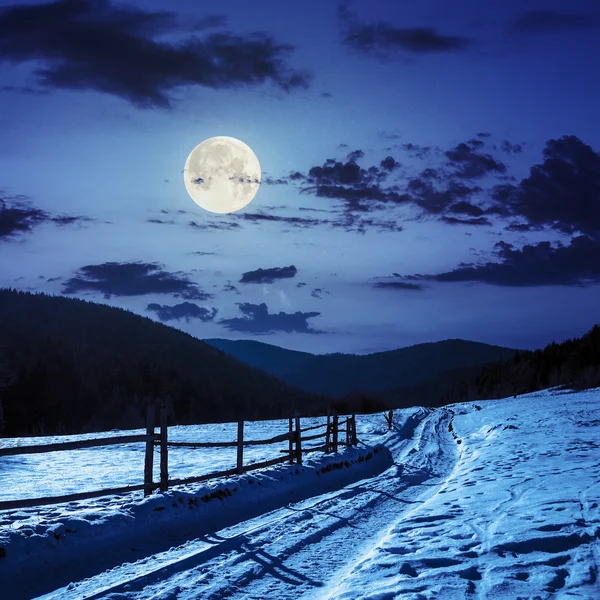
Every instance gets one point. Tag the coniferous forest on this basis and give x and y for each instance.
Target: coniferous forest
(71, 366)
(574, 363)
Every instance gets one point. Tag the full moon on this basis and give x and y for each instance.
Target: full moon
(222, 174)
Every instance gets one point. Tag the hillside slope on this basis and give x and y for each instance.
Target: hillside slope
(574, 363)
(343, 374)
(70, 366)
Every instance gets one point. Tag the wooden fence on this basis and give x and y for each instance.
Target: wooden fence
(292, 455)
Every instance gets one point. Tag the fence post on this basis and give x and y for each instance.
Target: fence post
(164, 458)
(240, 447)
(291, 442)
(298, 441)
(328, 434)
(149, 458)
(389, 418)
(335, 431)
(354, 438)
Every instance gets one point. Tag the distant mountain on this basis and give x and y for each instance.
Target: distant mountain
(69, 366)
(574, 363)
(346, 374)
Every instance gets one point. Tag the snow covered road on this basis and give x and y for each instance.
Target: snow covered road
(518, 517)
(497, 499)
(293, 551)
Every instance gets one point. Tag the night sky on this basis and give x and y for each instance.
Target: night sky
(431, 169)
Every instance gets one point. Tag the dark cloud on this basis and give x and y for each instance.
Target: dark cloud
(417, 150)
(326, 95)
(269, 275)
(436, 198)
(184, 310)
(158, 221)
(352, 183)
(229, 287)
(534, 265)
(63, 220)
(235, 219)
(272, 181)
(550, 21)
(179, 211)
(312, 209)
(200, 253)
(318, 293)
(434, 190)
(397, 285)
(132, 279)
(355, 222)
(563, 192)
(227, 224)
(257, 319)
(510, 148)
(18, 216)
(470, 163)
(476, 143)
(520, 227)
(483, 134)
(389, 135)
(465, 208)
(355, 155)
(297, 221)
(110, 48)
(469, 221)
(220, 225)
(389, 163)
(383, 39)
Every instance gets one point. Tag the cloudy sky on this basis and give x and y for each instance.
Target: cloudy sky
(430, 169)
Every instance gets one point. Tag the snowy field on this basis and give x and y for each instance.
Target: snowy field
(51, 474)
(492, 499)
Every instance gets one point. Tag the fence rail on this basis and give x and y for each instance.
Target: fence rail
(77, 445)
(293, 454)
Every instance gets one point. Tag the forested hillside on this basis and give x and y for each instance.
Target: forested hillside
(574, 363)
(343, 374)
(69, 366)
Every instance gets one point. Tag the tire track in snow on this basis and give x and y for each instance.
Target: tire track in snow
(311, 535)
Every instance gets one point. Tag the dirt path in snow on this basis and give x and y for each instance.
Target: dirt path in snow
(301, 550)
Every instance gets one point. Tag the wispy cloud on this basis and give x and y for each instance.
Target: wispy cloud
(111, 48)
(18, 216)
(382, 39)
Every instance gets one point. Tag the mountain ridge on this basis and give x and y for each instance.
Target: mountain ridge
(339, 374)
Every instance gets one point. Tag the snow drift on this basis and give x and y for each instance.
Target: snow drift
(77, 542)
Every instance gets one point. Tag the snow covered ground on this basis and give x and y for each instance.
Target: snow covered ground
(495, 499)
(51, 474)
(516, 517)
